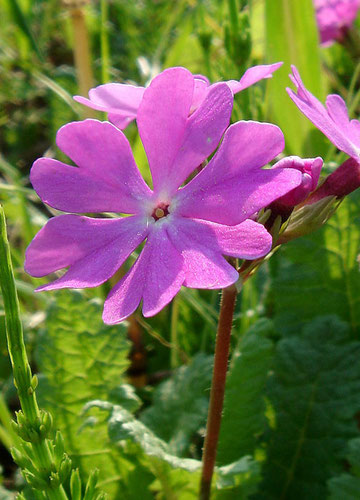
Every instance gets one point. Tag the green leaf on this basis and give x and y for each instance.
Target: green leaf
(244, 406)
(123, 426)
(180, 404)
(292, 37)
(347, 486)
(314, 394)
(177, 477)
(174, 475)
(233, 474)
(319, 273)
(82, 359)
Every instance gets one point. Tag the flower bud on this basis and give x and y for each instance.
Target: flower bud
(310, 169)
(75, 485)
(54, 480)
(65, 468)
(344, 180)
(91, 484)
(34, 382)
(59, 447)
(46, 424)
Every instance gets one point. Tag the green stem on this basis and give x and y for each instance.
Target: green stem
(353, 83)
(20, 364)
(234, 16)
(221, 357)
(104, 37)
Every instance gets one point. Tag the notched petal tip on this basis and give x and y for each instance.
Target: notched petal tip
(66, 132)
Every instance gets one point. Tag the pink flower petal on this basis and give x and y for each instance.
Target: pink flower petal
(204, 265)
(156, 276)
(203, 132)
(121, 121)
(201, 84)
(107, 180)
(235, 200)
(93, 248)
(232, 187)
(247, 146)
(253, 75)
(248, 240)
(333, 121)
(164, 274)
(120, 100)
(162, 119)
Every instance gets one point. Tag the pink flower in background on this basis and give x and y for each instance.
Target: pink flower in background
(187, 229)
(122, 101)
(334, 17)
(333, 120)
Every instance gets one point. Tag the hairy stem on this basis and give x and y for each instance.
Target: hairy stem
(20, 364)
(217, 388)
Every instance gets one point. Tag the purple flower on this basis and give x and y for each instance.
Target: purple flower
(333, 120)
(122, 101)
(187, 229)
(335, 17)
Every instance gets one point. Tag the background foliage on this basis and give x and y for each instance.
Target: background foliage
(132, 399)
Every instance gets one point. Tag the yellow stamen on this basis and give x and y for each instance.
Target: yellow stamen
(159, 212)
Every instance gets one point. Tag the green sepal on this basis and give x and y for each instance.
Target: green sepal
(28, 450)
(308, 218)
(35, 480)
(22, 460)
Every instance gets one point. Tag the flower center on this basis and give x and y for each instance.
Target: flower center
(160, 211)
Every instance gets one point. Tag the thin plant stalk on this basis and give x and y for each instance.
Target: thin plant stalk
(23, 379)
(104, 37)
(221, 357)
(82, 54)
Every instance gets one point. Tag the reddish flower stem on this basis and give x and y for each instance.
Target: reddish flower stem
(217, 388)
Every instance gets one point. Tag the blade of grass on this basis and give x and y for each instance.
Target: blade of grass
(292, 37)
(56, 88)
(21, 21)
(104, 37)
